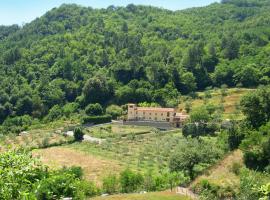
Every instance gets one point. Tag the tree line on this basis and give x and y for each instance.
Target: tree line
(75, 56)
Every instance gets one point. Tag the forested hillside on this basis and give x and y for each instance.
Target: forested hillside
(73, 56)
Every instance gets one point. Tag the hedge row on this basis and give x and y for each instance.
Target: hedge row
(96, 119)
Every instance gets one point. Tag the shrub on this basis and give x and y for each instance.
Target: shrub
(96, 119)
(76, 171)
(17, 124)
(130, 181)
(45, 142)
(94, 109)
(55, 112)
(21, 171)
(115, 111)
(70, 108)
(250, 181)
(236, 167)
(78, 134)
(256, 148)
(111, 184)
(199, 129)
(199, 115)
(235, 136)
(211, 191)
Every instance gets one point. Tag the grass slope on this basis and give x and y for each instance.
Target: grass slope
(95, 168)
(230, 102)
(222, 174)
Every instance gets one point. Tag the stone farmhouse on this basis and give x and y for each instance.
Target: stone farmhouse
(152, 114)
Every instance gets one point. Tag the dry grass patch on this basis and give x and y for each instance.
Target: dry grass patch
(148, 196)
(94, 168)
(222, 173)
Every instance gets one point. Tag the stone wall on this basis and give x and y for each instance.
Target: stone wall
(159, 125)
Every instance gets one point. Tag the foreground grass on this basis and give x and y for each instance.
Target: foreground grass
(148, 196)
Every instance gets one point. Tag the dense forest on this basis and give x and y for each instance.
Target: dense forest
(74, 56)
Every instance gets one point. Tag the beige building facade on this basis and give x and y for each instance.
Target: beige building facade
(169, 115)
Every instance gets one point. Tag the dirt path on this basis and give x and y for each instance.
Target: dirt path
(186, 192)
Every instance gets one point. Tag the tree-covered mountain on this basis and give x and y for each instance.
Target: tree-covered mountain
(73, 55)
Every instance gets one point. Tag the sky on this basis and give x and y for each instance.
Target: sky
(24, 11)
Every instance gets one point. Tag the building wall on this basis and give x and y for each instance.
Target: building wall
(154, 115)
(159, 125)
(135, 113)
(131, 112)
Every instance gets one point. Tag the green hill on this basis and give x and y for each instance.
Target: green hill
(73, 56)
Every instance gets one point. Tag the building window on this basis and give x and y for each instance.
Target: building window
(149, 117)
(150, 113)
(168, 114)
(156, 114)
(144, 113)
(136, 112)
(130, 106)
(161, 114)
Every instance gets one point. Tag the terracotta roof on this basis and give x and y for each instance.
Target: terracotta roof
(155, 109)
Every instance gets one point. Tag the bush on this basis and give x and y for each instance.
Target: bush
(236, 167)
(70, 108)
(250, 182)
(78, 134)
(94, 109)
(45, 142)
(76, 171)
(111, 184)
(96, 119)
(256, 148)
(199, 129)
(27, 178)
(130, 181)
(115, 111)
(211, 191)
(55, 112)
(17, 124)
(64, 184)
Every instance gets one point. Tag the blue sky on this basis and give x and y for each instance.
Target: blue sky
(24, 11)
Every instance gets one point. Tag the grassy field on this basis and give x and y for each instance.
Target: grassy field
(141, 153)
(230, 102)
(95, 168)
(116, 130)
(148, 196)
